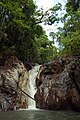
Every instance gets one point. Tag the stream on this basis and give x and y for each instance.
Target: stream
(39, 115)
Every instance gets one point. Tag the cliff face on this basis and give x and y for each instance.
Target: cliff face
(58, 85)
(13, 77)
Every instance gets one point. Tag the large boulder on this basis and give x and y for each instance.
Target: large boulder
(58, 85)
(13, 79)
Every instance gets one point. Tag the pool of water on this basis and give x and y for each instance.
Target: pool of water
(39, 115)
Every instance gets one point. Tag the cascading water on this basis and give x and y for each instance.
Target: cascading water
(32, 86)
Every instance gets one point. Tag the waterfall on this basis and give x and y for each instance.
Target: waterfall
(32, 86)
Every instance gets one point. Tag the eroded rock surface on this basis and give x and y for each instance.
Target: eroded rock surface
(58, 86)
(13, 75)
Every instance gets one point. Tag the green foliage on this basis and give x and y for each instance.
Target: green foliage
(46, 50)
(18, 29)
(72, 5)
(50, 16)
(20, 33)
(68, 37)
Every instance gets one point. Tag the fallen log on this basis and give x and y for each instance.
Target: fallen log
(26, 93)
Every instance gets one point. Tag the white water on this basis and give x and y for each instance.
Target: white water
(32, 86)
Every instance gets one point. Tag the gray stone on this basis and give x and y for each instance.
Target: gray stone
(60, 85)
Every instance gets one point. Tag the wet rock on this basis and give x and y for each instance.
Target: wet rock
(59, 85)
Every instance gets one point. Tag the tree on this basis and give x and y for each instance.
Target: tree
(68, 37)
(46, 49)
(48, 17)
(18, 29)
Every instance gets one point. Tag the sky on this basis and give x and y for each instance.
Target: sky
(46, 4)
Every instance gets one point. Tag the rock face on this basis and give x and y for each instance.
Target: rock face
(13, 77)
(58, 85)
